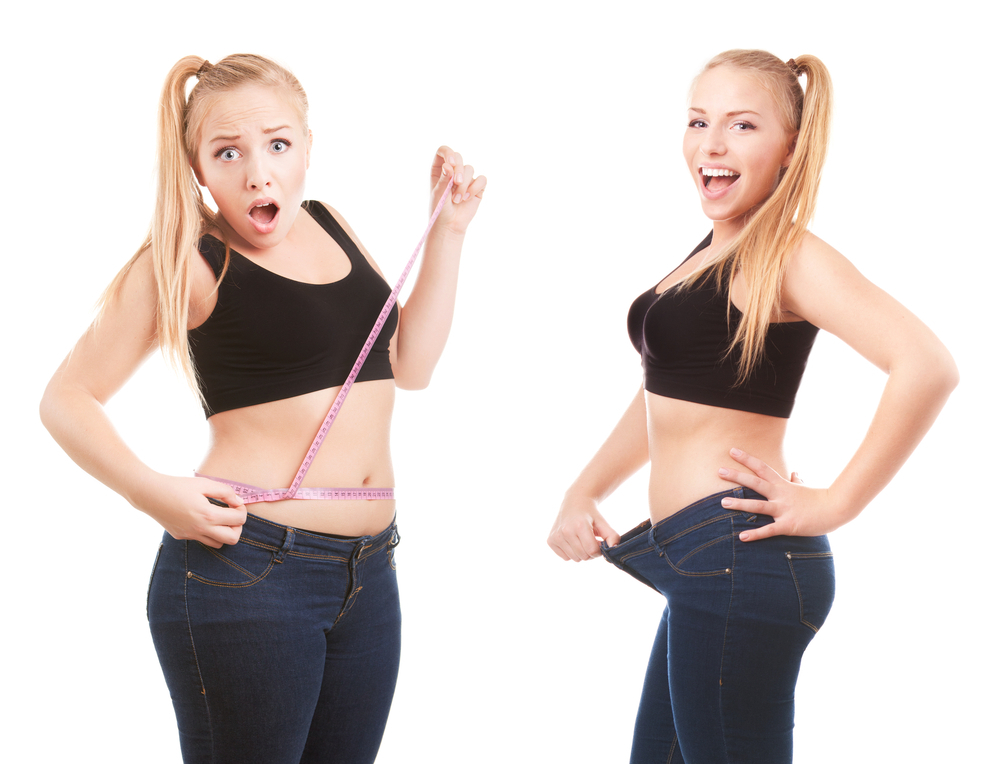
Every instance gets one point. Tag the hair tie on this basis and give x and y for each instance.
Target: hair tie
(203, 68)
(796, 68)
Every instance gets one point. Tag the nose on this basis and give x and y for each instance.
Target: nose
(713, 141)
(258, 177)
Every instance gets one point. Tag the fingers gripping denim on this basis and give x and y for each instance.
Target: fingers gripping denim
(720, 684)
(281, 648)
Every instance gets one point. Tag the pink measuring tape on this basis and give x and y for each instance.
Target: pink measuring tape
(252, 494)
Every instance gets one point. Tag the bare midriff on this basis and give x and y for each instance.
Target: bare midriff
(690, 442)
(264, 445)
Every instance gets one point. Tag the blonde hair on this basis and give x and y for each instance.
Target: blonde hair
(774, 231)
(181, 216)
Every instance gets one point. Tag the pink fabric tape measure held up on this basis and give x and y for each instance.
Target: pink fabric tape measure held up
(252, 494)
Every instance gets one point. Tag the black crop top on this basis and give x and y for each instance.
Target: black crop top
(270, 337)
(683, 337)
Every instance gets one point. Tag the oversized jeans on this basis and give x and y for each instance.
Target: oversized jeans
(720, 685)
(282, 648)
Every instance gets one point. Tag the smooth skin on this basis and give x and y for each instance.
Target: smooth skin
(254, 146)
(697, 450)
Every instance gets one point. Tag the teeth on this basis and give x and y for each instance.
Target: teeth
(713, 172)
(265, 204)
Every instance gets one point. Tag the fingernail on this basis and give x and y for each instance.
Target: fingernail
(736, 452)
(727, 502)
(744, 536)
(451, 160)
(458, 198)
(467, 195)
(723, 471)
(459, 178)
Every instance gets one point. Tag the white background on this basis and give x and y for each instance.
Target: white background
(575, 112)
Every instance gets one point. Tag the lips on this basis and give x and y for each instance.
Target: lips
(716, 181)
(263, 214)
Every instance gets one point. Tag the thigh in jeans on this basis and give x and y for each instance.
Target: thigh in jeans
(242, 643)
(362, 662)
(782, 592)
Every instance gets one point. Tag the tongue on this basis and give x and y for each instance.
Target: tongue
(264, 214)
(719, 182)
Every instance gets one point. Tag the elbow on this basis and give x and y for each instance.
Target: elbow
(48, 408)
(945, 370)
(936, 373)
(413, 382)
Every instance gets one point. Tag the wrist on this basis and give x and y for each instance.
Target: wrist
(843, 507)
(443, 234)
(142, 488)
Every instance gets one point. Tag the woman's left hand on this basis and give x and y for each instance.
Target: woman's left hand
(466, 194)
(797, 510)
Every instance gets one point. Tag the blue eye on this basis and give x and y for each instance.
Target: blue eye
(227, 154)
(280, 146)
(743, 127)
(696, 123)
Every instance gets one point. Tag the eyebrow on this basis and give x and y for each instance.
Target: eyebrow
(266, 131)
(728, 113)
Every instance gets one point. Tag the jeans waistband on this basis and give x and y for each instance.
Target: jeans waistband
(286, 538)
(700, 511)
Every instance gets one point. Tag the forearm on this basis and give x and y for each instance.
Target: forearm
(912, 399)
(425, 319)
(79, 424)
(620, 457)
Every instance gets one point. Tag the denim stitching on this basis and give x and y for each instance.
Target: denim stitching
(223, 558)
(798, 591)
(244, 585)
(725, 636)
(194, 650)
(355, 585)
(673, 748)
(704, 546)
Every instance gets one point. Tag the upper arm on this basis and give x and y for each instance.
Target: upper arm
(115, 346)
(824, 288)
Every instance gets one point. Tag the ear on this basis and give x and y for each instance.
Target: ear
(792, 141)
(309, 145)
(197, 172)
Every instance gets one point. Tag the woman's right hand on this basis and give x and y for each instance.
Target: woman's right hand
(578, 529)
(181, 505)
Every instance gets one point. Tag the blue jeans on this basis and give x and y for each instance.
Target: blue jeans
(282, 648)
(720, 685)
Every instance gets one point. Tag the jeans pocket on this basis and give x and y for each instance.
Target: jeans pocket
(813, 575)
(705, 549)
(242, 564)
(156, 561)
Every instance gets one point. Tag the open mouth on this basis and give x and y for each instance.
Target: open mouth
(263, 215)
(717, 178)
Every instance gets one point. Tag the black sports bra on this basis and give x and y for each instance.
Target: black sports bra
(271, 338)
(683, 337)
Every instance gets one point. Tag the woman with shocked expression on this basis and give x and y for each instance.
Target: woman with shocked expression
(747, 572)
(277, 629)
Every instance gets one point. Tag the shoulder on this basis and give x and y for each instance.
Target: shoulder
(816, 268)
(823, 287)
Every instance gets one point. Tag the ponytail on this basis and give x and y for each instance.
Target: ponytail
(763, 248)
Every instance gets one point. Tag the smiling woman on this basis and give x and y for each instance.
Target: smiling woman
(270, 649)
(747, 572)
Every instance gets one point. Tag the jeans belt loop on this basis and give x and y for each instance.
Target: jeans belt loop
(286, 545)
(651, 540)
